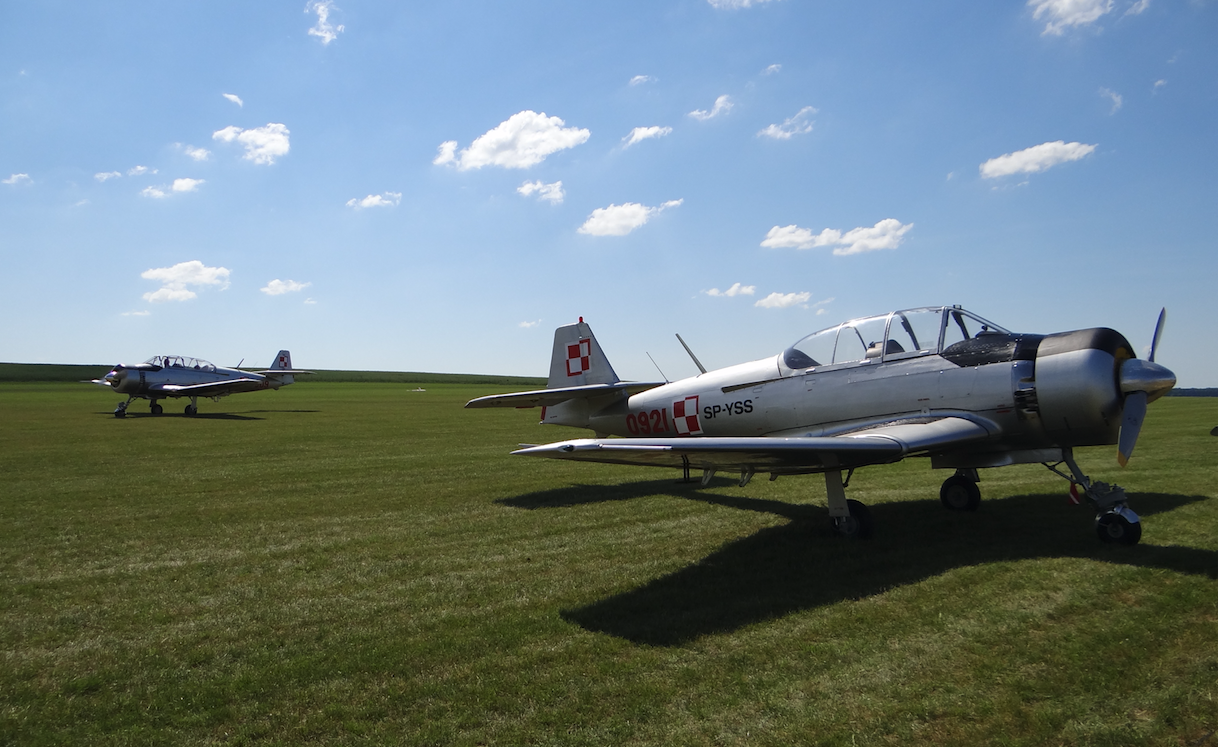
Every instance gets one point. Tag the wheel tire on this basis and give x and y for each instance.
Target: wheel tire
(120, 413)
(960, 494)
(1112, 528)
(157, 409)
(192, 410)
(856, 526)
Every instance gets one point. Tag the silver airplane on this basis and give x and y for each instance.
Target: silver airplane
(937, 382)
(163, 376)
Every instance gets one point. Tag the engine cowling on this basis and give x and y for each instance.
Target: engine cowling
(1078, 385)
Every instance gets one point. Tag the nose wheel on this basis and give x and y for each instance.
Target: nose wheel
(1115, 527)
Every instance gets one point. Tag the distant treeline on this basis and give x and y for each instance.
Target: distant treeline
(53, 372)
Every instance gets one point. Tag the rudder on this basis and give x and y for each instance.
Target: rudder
(578, 359)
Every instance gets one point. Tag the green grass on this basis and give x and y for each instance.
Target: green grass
(363, 563)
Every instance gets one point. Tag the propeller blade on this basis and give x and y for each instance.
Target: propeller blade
(1154, 343)
(1131, 425)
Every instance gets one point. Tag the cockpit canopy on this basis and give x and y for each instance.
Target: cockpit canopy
(181, 361)
(901, 334)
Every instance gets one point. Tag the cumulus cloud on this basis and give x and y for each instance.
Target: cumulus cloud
(145, 312)
(736, 290)
(800, 124)
(1137, 8)
(639, 134)
(887, 234)
(639, 80)
(179, 185)
(104, 175)
(278, 287)
(176, 281)
(1158, 84)
(186, 185)
(262, 144)
(734, 4)
(619, 220)
(324, 30)
(1036, 158)
(772, 69)
(388, 199)
(521, 141)
(529, 325)
(1115, 97)
(1060, 14)
(234, 98)
(140, 171)
(723, 105)
(552, 191)
(198, 154)
(784, 300)
(17, 179)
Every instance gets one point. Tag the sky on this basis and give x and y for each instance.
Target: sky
(437, 186)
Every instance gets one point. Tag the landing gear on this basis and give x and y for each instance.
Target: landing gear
(193, 408)
(1115, 523)
(121, 410)
(960, 491)
(1115, 528)
(156, 409)
(849, 518)
(856, 525)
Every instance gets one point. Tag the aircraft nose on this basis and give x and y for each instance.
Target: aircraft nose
(1139, 375)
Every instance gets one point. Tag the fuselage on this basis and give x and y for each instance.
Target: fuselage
(150, 378)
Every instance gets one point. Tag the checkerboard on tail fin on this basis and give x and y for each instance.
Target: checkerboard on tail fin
(283, 360)
(578, 358)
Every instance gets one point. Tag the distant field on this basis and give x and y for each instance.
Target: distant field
(364, 563)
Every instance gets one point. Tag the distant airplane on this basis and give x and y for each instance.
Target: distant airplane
(937, 382)
(164, 376)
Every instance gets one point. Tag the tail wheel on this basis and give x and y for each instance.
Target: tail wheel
(960, 494)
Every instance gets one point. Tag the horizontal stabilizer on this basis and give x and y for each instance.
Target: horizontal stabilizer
(558, 395)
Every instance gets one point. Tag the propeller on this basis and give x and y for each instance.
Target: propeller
(1142, 381)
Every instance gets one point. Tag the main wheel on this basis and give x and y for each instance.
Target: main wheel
(192, 410)
(855, 526)
(960, 494)
(157, 409)
(1116, 529)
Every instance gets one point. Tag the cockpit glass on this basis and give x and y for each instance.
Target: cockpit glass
(182, 362)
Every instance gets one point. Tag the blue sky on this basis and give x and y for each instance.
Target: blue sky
(436, 186)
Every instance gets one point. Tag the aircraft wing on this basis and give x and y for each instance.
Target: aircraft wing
(212, 389)
(878, 445)
(549, 397)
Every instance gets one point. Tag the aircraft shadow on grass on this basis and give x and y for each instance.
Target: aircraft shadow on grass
(199, 416)
(803, 565)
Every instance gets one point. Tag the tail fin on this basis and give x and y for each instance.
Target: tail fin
(578, 359)
(282, 361)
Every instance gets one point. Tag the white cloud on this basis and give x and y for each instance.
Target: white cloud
(179, 185)
(1117, 101)
(17, 179)
(1158, 84)
(175, 280)
(723, 104)
(887, 234)
(186, 185)
(104, 175)
(388, 199)
(521, 141)
(800, 124)
(736, 290)
(784, 300)
(1138, 8)
(639, 80)
(552, 192)
(262, 144)
(1063, 13)
(155, 193)
(734, 4)
(198, 154)
(530, 325)
(234, 98)
(145, 312)
(140, 171)
(310, 302)
(278, 287)
(772, 69)
(324, 30)
(638, 134)
(1036, 158)
(619, 220)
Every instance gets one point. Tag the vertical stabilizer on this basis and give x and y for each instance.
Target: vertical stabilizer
(578, 359)
(282, 361)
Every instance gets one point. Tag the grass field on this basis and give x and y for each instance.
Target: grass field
(364, 563)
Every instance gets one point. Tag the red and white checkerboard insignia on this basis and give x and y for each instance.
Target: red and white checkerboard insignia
(685, 416)
(579, 357)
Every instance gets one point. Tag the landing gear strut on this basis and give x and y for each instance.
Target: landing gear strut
(1115, 522)
(193, 408)
(121, 410)
(848, 517)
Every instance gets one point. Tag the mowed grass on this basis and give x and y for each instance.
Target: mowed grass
(364, 563)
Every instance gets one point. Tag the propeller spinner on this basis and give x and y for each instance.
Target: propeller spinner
(1142, 382)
